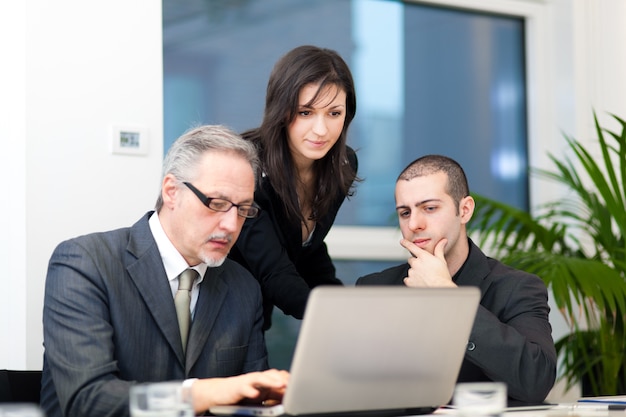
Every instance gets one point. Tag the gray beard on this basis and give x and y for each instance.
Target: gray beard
(214, 263)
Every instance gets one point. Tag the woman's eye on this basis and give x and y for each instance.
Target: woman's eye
(304, 113)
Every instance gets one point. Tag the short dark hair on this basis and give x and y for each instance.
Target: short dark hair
(457, 186)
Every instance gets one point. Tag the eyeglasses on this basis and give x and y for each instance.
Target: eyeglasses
(249, 211)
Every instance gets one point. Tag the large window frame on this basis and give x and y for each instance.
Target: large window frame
(382, 243)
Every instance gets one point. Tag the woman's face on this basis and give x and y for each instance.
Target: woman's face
(317, 126)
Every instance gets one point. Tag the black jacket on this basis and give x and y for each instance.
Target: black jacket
(511, 340)
(270, 247)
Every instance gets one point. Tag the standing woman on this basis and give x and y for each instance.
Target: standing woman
(308, 170)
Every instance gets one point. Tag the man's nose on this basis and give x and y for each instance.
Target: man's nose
(230, 220)
(417, 222)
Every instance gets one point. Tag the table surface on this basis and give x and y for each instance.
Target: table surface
(560, 410)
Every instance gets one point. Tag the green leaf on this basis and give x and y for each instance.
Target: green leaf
(577, 246)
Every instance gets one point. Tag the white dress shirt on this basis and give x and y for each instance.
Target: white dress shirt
(174, 262)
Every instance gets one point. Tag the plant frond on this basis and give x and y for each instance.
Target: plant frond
(507, 227)
(576, 245)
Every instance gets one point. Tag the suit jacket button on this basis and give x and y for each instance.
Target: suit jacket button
(471, 346)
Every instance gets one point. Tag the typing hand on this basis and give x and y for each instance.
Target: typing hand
(426, 269)
(255, 387)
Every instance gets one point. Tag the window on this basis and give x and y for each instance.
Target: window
(429, 80)
(437, 80)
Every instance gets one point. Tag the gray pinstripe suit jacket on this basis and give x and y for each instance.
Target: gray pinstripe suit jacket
(109, 321)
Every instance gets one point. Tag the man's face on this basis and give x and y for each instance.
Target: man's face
(199, 233)
(427, 214)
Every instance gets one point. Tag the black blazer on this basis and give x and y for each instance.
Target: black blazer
(270, 247)
(511, 340)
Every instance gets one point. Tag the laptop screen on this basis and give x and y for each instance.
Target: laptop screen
(364, 348)
(370, 349)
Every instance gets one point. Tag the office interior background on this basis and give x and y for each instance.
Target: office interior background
(492, 83)
(217, 57)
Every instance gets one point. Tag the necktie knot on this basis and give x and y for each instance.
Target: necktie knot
(186, 278)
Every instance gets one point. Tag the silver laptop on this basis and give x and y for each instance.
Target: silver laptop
(375, 350)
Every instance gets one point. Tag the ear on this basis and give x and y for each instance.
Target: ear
(169, 190)
(466, 209)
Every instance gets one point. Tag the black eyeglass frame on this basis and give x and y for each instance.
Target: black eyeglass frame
(249, 211)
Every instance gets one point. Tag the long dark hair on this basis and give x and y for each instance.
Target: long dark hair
(334, 176)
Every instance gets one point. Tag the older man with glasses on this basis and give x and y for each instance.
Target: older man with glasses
(160, 301)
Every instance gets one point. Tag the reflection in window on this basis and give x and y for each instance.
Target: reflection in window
(429, 80)
(435, 80)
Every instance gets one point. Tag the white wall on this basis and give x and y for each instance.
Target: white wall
(75, 69)
(71, 69)
(13, 165)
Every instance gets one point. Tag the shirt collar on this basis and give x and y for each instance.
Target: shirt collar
(173, 261)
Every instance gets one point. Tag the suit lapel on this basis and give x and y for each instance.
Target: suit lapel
(212, 294)
(475, 269)
(146, 270)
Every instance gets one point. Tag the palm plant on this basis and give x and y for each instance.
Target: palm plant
(576, 245)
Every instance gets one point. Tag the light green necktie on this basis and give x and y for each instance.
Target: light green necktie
(182, 301)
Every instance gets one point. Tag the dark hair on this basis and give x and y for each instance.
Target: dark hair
(333, 174)
(457, 186)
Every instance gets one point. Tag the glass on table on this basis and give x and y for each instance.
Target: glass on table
(160, 399)
(480, 398)
(20, 410)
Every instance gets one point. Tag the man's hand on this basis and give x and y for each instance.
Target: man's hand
(255, 387)
(426, 269)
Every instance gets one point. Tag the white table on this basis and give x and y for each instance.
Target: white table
(559, 410)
